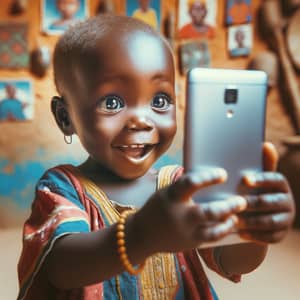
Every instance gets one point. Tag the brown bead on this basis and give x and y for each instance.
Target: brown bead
(120, 234)
(124, 257)
(122, 249)
(120, 242)
(122, 221)
(120, 227)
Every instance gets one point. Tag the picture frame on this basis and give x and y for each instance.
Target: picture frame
(238, 12)
(14, 49)
(16, 100)
(58, 15)
(192, 54)
(148, 11)
(240, 40)
(197, 19)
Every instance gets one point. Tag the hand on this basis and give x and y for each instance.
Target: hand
(270, 213)
(170, 221)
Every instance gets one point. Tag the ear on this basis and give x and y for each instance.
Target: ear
(61, 115)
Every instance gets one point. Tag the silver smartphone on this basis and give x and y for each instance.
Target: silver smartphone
(224, 127)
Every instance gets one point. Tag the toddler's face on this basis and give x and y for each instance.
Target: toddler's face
(126, 118)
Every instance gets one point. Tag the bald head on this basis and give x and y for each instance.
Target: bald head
(75, 51)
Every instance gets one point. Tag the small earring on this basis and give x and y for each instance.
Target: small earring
(68, 139)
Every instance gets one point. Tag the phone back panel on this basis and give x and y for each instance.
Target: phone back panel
(224, 129)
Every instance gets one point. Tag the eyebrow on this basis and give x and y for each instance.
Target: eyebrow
(160, 76)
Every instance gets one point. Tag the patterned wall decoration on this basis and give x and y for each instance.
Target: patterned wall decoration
(13, 45)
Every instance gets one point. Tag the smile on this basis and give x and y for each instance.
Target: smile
(136, 152)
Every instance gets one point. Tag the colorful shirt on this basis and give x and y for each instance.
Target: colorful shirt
(66, 203)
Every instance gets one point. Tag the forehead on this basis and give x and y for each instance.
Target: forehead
(131, 52)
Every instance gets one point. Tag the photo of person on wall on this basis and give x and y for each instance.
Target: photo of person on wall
(147, 11)
(238, 12)
(197, 19)
(58, 15)
(240, 40)
(15, 100)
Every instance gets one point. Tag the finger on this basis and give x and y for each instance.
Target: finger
(270, 157)
(270, 222)
(216, 231)
(264, 237)
(188, 184)
(216, 211)
(267, 180)
(269, 202)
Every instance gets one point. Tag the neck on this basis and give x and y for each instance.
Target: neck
(102, 175)
(119, 189)
(99, 173)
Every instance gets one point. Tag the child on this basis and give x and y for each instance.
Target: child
(115, 77)
(198, 28)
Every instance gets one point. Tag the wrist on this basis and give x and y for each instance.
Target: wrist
(136, 239)
(122, 245)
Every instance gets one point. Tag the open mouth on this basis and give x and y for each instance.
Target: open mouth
(136, 151)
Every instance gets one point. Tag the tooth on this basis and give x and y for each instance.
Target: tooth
(124, 146)
(134, 146)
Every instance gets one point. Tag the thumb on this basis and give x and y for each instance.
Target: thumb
(183, 189)
(270, 157)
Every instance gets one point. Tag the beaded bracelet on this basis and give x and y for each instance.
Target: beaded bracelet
(122, 251)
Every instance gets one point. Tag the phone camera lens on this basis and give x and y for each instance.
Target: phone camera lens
(231, 96)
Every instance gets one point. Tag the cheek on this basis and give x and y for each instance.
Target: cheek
(97, 130)
(106, 130)
(167, 126)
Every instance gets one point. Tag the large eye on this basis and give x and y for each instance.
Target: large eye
(111, 104)
(161, 102)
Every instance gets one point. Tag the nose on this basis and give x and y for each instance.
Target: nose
(138, 122)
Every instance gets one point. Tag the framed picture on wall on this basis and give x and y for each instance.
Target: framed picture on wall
(238, 12)
(194, 54)
(240, 40)
(16, 100)
(197, 19)
(148, 11)
(14, 53)
(58, 15)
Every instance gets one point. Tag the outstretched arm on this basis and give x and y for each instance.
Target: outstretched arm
(168, 222)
